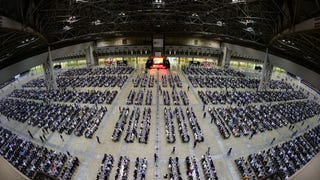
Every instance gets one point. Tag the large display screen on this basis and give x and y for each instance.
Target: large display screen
(157, 60)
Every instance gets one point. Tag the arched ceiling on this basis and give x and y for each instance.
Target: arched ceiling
(260, 24)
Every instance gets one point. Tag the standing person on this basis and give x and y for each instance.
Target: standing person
(135, 133)
(46, 128)
(173, 150)
(208, 151)
(41, 139)
(194, 144)
(229, 151)
(44, 137)
(155, 157)
(204, 114)
(211, 120)
(203, 107)
(30, 134)
(273, 140)
(251, 135)
(68, 153)
(61, 137)
(98, 139)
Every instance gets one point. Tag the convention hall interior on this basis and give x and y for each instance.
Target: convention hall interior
(160, 89)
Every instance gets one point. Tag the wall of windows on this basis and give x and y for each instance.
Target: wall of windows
(71, 63)
(37, 69)
(243, 64)
(251, 65)
(132, 61)
(279, 70)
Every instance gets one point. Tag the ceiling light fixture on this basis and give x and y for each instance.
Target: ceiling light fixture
(67, 28)
(96, 22)
(71, 19)
(81, 1)
(194, 15)
(220, 23)
(246, 21)
(237, 1)
(249, 29)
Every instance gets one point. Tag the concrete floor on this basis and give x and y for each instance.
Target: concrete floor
(90, 152)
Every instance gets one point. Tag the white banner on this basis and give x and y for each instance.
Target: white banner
(157, 42)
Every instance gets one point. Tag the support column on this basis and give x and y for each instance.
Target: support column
(50, 78)
(225, 62)
(95, 60)
(266, 73)
(89, 56)
(220, 59)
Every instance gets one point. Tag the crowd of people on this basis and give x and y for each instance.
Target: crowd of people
(56, 117)
(143, 80)
(30, 158)
(177, 98)
(132, 125)
(195, 127)
(229, 97)
(105, 167)
(123, 168)
(183, 128)
(130, 97)
(247, 97)
(140, 168)
(66, 95)
(193, 169)
(145, 125)
(243, 120)
(173, 81)
(137, 98)
(169, 127)
(271, 96)
(81, 81)
(298, 111)
(244, 168)
(164, 81)
(283, 159)
(184, 97)
(219, 123)
(166, 98)
(233, 82)
(119, 126)
(132, 128)
(212, 71)
(148, 100)
(174, 169)
(87, 77)
(98, 71)
(208, 167)
(85, 119)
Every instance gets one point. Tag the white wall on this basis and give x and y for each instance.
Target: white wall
(303, 72)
